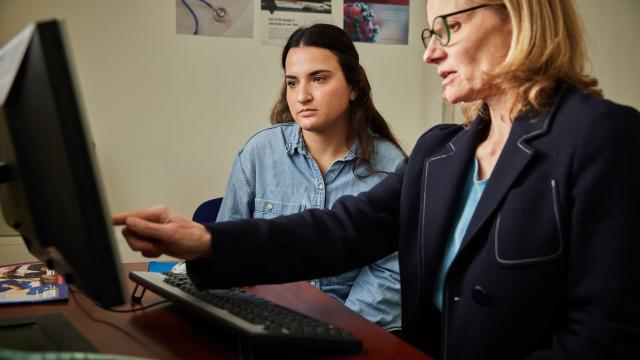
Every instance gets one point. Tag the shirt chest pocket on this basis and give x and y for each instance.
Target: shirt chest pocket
(528, 228)
(269, 209)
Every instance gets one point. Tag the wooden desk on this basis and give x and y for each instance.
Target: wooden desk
(167, 331)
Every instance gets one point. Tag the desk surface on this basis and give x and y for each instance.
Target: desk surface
(167, 331)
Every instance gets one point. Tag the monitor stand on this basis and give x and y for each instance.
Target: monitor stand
(50, 332)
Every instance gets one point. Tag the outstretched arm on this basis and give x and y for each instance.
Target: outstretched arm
(156, 230)
(314, 243)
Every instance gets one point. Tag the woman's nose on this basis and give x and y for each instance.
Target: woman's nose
(433, 53)
(304, 95)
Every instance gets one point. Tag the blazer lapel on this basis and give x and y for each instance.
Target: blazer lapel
(444, 176)
(515, 156)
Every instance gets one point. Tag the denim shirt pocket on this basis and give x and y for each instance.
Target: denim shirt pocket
(269, 209)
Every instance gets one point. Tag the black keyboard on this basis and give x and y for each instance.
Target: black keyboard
(257, 321)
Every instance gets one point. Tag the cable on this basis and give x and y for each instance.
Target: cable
(195, 18)
(219, 13)
(135, 338)
(73, 291)
(208, 4)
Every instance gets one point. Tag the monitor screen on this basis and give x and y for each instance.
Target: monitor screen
(50, 189)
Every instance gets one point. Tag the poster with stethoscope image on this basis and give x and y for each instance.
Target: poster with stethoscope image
(228, 18)
(280, 18)
(377, 21)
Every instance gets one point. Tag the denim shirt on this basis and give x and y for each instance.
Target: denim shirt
(274, 175)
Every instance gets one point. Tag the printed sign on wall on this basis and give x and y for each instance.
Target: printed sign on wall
(281, 18)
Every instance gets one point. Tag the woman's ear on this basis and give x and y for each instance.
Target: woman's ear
(353, 94)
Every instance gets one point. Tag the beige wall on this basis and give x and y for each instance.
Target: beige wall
(169, 112)
(613, 35)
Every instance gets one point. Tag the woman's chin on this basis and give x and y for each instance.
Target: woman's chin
(452, 99)
(456, 97)
(449, 96)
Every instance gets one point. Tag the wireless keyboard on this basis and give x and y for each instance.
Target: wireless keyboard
(253, 319)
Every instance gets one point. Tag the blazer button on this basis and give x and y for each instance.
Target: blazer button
(480, 296)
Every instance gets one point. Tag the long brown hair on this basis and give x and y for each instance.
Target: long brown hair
(363, 116)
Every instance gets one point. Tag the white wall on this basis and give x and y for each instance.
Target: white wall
(168, 112)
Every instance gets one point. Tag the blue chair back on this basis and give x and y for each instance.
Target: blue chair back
(207, 211)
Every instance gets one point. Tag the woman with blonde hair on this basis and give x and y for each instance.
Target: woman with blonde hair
(516, 232)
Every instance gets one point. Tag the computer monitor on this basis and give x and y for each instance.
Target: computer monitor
(50, 189)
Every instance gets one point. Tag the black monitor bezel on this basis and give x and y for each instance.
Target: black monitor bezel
(55, 198)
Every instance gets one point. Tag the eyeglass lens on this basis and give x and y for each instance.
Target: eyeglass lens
(439, 29)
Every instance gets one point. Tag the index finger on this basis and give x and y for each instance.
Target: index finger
(157, 213)
(149, 229)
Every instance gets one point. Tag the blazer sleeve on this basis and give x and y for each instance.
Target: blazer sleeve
(602, 318)
(356, 231)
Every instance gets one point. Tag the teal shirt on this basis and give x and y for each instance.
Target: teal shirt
(473, 189)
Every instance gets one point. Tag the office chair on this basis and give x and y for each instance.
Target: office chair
(207, 211)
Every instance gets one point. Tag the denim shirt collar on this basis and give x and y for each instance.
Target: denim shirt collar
(295, 141)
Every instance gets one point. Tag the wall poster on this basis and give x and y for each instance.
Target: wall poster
(228, 18)
(281, 18)
(377, 21)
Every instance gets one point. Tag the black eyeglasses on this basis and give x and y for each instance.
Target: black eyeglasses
(440, 27)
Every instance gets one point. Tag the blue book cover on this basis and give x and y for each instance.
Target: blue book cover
(31, 282)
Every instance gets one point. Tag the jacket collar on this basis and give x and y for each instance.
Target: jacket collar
(517, 152)
(443, 179)
(294, 141)
(445, 174)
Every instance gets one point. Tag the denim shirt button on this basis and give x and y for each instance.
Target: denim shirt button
(320, 185)
(269, 206)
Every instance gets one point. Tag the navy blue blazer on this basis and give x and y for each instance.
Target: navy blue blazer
(549, 265)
